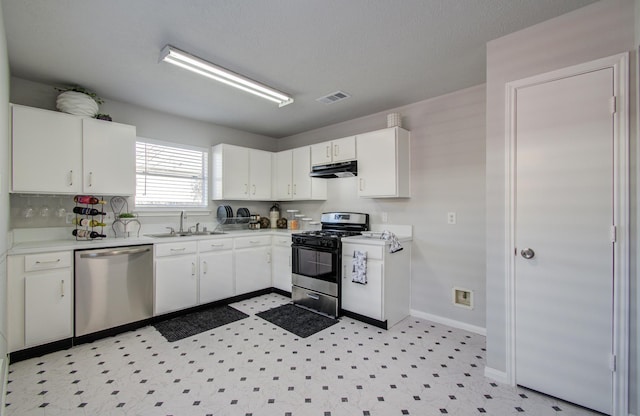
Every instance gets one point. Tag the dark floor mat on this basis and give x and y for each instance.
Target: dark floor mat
(194, 323)
(296, 320)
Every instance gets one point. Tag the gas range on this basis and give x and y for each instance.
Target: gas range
(317, 261)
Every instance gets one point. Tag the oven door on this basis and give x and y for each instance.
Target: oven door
(316, 262)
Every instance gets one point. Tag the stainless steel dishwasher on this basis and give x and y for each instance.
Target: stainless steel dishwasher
(113, 287)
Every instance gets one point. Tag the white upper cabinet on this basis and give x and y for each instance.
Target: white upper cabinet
(241, 173)
(339, 150)
(283, 176)
(109, 157)
(384, 164)
(58, 153)
(292, 180)
(46, 151)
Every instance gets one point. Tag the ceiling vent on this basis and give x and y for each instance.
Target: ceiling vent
(334, 97)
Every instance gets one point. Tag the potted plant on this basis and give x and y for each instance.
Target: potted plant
(78, 100)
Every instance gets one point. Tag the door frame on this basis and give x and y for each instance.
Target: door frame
(620, 65)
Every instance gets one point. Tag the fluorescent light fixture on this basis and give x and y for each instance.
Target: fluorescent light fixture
(207, 69)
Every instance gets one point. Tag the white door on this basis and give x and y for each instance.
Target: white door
(176, 282)
(563, 215)
(47, 314)
(260, 174)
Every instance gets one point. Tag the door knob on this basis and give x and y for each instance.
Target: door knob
(527, 253)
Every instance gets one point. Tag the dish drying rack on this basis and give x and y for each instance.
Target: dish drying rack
(118, 204)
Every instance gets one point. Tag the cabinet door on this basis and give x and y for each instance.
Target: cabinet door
(47, 314)
(253, 269)
(109, 157)
(343, 149)
(362, 299)
(176, 282)
(377, 163)
(46, 151)
(216, 276)
(283, 171)
(301, 169)
(260, 175)
(321, 153)
(282, 267)
(235, 172)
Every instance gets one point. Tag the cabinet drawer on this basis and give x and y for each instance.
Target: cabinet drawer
(373, 252)
(215, 245)
(175, 249)
(45, 261)
(258, 240)
(282, 241)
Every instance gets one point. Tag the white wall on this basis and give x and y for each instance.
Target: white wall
(4, 186)
(602, 29)
(447, 174)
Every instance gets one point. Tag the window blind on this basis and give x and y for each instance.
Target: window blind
(170, 175)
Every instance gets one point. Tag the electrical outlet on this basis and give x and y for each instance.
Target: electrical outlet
(384, 217)
(451, 218)
(108, 216)
(69, 218)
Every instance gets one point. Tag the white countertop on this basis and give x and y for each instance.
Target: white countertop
(29, 247)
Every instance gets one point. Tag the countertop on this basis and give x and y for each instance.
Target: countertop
(30, 247)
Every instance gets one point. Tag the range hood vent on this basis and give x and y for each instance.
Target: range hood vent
(335, 170)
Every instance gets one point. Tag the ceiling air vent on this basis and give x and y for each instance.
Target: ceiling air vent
(334, 97)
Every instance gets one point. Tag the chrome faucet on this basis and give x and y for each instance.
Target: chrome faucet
(181, 221)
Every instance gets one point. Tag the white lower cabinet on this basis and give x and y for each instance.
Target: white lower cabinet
(39, 299)
(216, 270)
(176, 276)
(281, 267)
(48, 300)
(386, 295)
(252, 263)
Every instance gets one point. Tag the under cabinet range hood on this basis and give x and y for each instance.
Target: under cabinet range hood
(335, 170)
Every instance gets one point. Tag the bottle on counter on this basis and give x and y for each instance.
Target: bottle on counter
(87, 234)
(87, 199)
(85, 222)
(87, 211)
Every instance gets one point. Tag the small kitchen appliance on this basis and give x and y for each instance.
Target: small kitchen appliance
(317, 261)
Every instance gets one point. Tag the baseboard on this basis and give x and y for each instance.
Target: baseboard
(497, 375)
(449, 322)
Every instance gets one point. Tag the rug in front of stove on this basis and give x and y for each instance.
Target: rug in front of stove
(296, 320)
(196, 322)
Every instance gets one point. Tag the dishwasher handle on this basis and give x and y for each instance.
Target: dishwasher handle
(115, 252)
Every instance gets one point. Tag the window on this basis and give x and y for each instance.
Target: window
(170, 175)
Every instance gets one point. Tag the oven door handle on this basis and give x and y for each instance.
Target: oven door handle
(312, 296)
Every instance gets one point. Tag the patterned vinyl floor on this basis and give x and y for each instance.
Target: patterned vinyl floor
(251, 367)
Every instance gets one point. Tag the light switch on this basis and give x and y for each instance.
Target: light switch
(451, 218)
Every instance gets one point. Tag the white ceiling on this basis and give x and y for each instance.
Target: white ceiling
(385, 53)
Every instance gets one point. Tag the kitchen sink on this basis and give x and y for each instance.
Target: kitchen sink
(164, 235)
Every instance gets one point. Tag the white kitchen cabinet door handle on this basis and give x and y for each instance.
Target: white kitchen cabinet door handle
(289, 260)
(361, 184)
(295, 188)
(254, 189)
(61, 288)
(90, 179)
(328, 154)
(253, 242)
(344, 271)
(205, 267)
(289, 189)
(178, 249)
(217, 245)
(193, 269)
(269, 257)
(71, 178)
(246, 189)
(336, 149)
